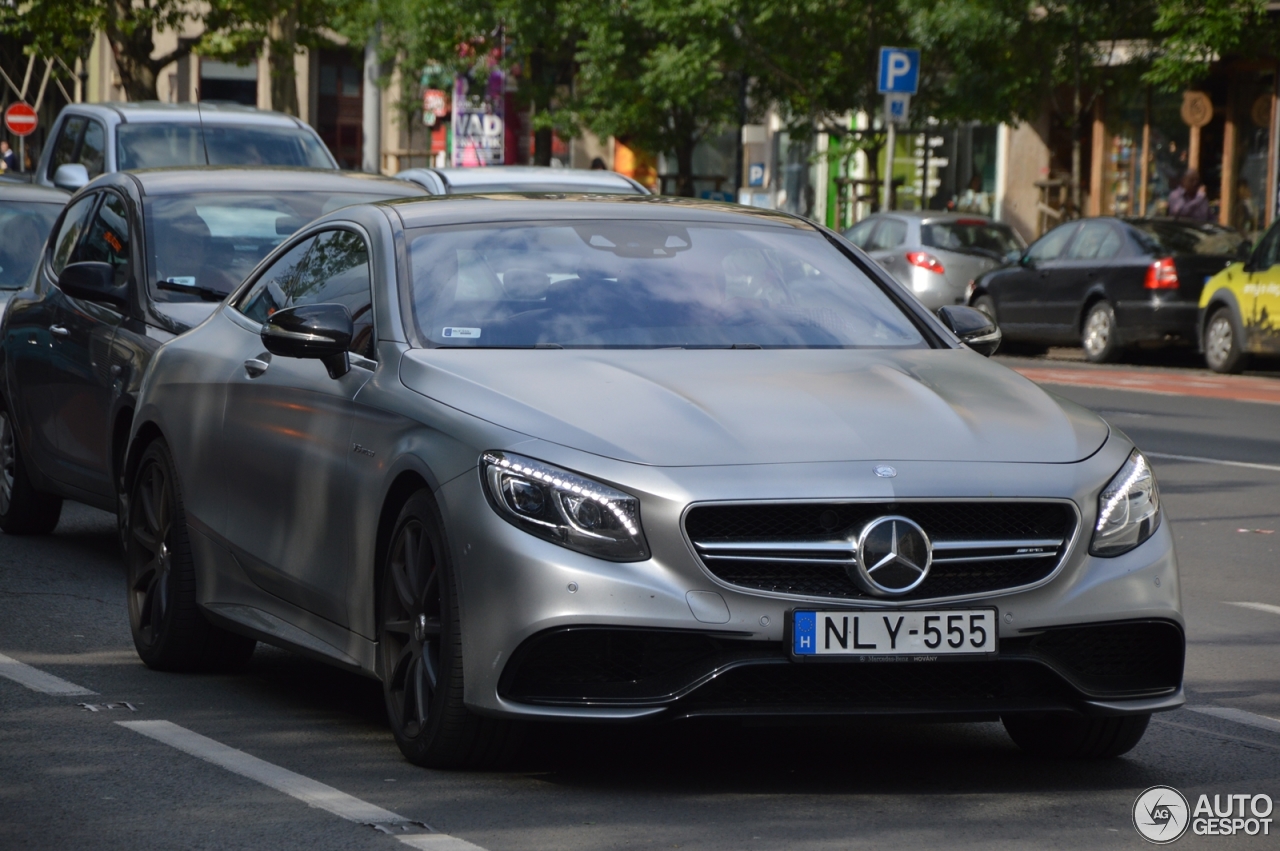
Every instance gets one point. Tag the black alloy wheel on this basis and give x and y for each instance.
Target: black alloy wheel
(420, 651)
(23, 509)
(169, 631)
(1224, 342)
(1067, 736)
(1099, 337)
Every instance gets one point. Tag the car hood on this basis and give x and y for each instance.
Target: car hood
(761, 406)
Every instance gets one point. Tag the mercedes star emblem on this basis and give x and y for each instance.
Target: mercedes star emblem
(893, 557)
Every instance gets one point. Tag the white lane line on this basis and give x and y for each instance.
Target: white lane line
(310, 792)
(438, 842)
(38, 680)
(1239, 716)
(1257, 607)
(1274, 468)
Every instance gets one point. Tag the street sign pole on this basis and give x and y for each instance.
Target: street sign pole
(899, 79)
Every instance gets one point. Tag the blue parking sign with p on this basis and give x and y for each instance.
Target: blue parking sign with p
(899, 70)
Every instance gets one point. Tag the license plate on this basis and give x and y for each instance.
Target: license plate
(907, 635)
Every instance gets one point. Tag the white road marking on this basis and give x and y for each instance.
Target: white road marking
(37, 680)
(310, 792)
(1274, 468)
(438, 842)
(1239, 716)
(1257, 607)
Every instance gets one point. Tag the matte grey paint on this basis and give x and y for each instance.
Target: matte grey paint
(671, 428)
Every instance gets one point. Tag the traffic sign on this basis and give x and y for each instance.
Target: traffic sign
(20, 119)
(897, 108)
(899, 70)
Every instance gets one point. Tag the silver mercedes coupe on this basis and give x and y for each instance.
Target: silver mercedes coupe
(530, 458)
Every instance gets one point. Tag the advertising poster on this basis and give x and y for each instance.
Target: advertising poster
(478, 126)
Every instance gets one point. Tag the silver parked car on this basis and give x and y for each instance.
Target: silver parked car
(603, 459)
(936, 255)
(521, 178)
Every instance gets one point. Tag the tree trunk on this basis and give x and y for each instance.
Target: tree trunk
(282, 37)
(131, 47)
(684, 168)
(1076, 107)
(542, 146)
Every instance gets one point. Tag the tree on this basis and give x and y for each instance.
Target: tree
(1196, 32)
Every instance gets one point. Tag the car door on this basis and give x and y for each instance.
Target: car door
(1020, 293)
(286, 434)
(81, 366)
(1259, 297)
(1084, 267)
(885, 247)
(30, 344)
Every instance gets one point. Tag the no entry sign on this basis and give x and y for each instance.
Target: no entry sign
(20, 119)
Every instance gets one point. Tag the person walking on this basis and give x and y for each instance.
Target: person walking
(1188, 200)
(8, 159)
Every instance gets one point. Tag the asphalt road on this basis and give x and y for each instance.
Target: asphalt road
(72, 777)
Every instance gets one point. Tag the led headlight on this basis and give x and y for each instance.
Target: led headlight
(564, 508)
(1128, 509)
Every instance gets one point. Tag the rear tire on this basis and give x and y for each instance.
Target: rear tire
(1065, 736)
(169, 630)
(1224, 342)
(23, 509)
(420, 651)
(1099, 338)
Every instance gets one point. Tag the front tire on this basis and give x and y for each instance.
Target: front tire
(1100, 337)
(420, 650)
(1064, 736)
(1224, 343)
(169, 631)
(23, 509)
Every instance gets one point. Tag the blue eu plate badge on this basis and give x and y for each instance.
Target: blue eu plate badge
(806, 633)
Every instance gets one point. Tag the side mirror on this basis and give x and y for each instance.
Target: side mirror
(321, 331)
(974, 328)
(1026, 261)
(70, 176)
(1244, 250)
(93, 281)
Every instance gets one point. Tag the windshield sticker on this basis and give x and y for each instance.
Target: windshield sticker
(468, 333)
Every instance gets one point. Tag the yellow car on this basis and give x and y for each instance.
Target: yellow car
(1240, 309)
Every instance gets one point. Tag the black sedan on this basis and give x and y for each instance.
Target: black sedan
(1107, 284)
(27, 214)
(135, 259)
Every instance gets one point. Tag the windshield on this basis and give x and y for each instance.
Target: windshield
(203, 246)
(26, 226)
(1186, 238)
(163, 145)
(975, 237)
(645, 284)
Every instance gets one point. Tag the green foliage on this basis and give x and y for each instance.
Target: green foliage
(1196, 32)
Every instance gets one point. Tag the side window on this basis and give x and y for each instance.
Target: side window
(860, 234)
(108, 237)
(337, 272)
(271, 291)
(93, 148)
(64, 150)
(1097, 241)
(72, 227)
(1267, 254)
(891, 234)
(1050, 246)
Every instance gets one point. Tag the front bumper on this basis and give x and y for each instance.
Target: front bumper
(551, 633)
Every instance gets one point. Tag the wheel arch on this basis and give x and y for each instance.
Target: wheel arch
(120, 428)
(1222, 297)
(1091, 298)
(143, 436)
(403, 487)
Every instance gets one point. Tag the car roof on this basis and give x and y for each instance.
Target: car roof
(181, 181)
(514, 207)
(185, 113)
(517, 175)
(31, 193)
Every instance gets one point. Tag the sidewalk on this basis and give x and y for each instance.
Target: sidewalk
(1169, 382)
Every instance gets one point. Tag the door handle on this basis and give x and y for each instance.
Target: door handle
(58, 331)
(254, 367)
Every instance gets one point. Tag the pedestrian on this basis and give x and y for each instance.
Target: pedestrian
(597, 164)
(974, 199)
(8, 159)
(1188, 200)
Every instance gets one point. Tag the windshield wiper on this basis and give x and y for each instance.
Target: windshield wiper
(205, 293)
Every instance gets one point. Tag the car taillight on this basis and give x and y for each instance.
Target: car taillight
(1162, 275)
(925, 260)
